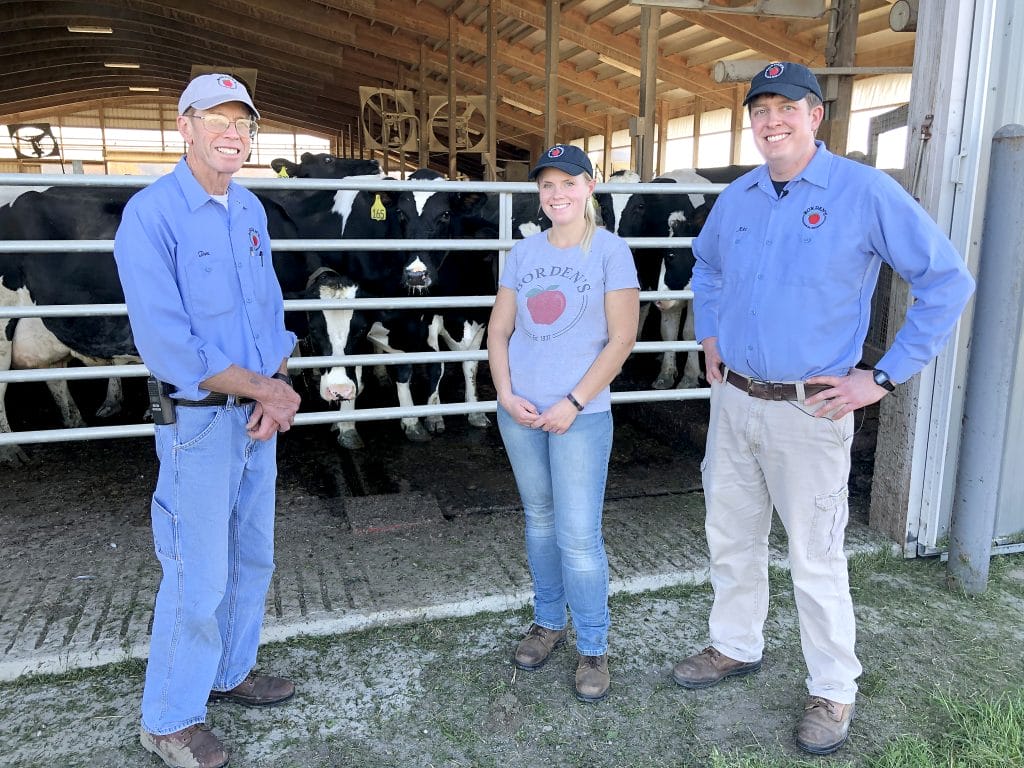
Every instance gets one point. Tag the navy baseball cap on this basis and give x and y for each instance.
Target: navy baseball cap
(564, 157)
(209, 91)
(794, 81)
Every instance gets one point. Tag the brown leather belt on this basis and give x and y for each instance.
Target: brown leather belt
(214, 398)
(771, 390)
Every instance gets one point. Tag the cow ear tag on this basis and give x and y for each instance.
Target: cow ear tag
(377, 211)
(283, 173)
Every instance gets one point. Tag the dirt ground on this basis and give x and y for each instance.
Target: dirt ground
(444, 693)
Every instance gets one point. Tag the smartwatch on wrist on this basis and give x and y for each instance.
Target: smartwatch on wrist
(882, 379)
(283, 377)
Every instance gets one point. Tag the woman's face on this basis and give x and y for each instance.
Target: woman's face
(563, 197)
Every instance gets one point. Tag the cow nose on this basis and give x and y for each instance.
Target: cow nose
(664, 304)
(417, 278)
(334, 391)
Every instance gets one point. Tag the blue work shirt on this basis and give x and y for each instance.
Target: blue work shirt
(786, 284)
(199, 282)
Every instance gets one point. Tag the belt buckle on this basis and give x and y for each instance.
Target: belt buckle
(757, 388)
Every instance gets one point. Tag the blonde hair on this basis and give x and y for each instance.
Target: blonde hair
(589, 220)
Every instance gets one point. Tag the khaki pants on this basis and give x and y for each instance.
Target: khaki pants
(762, 454)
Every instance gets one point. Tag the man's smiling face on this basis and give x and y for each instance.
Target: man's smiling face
(784, 132)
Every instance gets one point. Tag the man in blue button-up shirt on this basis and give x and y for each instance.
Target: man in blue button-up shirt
(207, 316)
(785, 269)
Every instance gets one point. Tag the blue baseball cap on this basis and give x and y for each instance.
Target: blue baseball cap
(564, 157)
(794, 81)
(208, 91)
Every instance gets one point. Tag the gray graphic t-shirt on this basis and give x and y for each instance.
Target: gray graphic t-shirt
(561, 325)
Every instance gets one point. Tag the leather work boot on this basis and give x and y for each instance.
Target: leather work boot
(825, 726)
(257, 691)
(536, 647)
(704, 669)
(192, 747)
(592, 678)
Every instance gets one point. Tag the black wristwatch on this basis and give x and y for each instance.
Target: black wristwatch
(283, 377)
(882, 379)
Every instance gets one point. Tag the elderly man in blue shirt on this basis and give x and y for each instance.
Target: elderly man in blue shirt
(207, 315)
(786, 266)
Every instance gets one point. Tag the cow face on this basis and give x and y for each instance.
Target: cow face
(336, 332)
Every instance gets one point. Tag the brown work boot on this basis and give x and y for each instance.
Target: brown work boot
(592, 678)
(192, 747)
(536, 647)
(704, 669)
(825, 726)
(257, 691)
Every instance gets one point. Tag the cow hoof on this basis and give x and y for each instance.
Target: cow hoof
(417, 434)
(13, 457)
(350, 439)
(479, 420)
(108, 410)
(688, 383)
(435, 424)
(664, 382)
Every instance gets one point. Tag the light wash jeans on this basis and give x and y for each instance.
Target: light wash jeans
(561, 480)
(213, 528)
(762, 454)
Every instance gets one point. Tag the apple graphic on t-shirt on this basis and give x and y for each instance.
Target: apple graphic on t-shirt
(545, 304)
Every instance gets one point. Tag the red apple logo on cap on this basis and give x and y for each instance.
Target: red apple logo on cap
(545, 304)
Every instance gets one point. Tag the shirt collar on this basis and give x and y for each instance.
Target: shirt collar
(195, 195)
(816, 172)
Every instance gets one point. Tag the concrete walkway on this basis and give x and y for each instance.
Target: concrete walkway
(80, 593)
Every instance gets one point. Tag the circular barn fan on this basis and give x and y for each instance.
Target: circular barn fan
(388, 119)
(470, 123)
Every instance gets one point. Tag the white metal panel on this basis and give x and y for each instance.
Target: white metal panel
(994, 97)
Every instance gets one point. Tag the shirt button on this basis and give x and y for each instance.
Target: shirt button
(767, 242)
(248, 301)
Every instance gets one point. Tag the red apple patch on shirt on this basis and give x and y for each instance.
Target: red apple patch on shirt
(545, 304)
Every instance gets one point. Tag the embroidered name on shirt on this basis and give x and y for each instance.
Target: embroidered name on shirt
(814, 217)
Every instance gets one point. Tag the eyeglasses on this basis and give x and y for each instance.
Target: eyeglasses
(218, 124)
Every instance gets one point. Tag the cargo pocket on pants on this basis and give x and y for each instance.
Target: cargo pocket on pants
(828, 527)
(165, 532)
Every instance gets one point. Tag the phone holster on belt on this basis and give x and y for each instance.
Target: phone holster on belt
(161, 404)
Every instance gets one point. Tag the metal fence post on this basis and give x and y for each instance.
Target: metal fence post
(995, 339)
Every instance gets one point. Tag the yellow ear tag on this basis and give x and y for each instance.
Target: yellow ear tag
(377, 211)
(283, 173)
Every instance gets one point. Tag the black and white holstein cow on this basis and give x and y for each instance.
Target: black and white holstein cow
(77, 213)
(62, 213)
(365, 215)
(671, 214)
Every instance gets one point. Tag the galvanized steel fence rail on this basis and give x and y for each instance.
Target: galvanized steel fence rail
(502, 244)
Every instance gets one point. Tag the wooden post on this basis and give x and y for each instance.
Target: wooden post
(453, 170)
(491, 156)
(649, 18)
(552, 34)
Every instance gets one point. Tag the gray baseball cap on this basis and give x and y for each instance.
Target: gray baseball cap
(208, 91)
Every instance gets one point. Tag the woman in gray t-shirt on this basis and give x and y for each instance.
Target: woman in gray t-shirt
(564, 321)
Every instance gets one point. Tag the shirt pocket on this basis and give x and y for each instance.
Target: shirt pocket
(211, 284)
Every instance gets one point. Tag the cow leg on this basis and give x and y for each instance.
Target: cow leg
(414, 431)
(671, 312)
(435, 372)
(35, 347)
(472, 339)
(10, 455)
(348, 437)
(691, 371)
(111, 405)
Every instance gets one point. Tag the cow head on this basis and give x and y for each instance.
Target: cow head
(324, 166)
(335, 332)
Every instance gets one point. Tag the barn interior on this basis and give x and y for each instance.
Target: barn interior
(375, 78)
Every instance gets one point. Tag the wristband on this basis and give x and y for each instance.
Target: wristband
(283, 377)
(574, 401)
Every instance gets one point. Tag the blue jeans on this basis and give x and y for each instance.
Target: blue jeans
(213, 528)
(561, 480)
